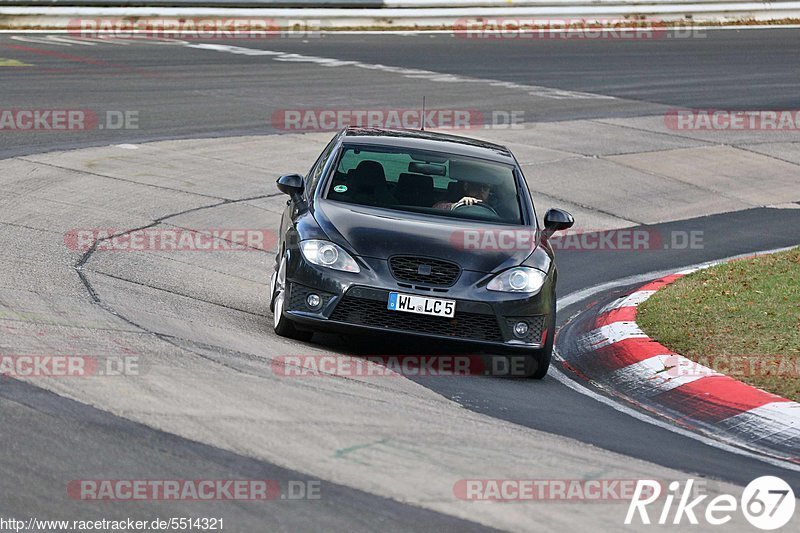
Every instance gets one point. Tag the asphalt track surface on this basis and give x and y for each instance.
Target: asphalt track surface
(183, 92)
(549, 410)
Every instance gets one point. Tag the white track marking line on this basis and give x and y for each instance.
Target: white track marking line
(559, 375)
(441, 77)
(103, 40)
(38, 40)
(91, 39)
(69, 41)
(111, 40)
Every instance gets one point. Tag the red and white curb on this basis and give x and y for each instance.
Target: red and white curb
(626, 360)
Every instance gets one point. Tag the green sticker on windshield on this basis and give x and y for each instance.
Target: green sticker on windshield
(340, 188)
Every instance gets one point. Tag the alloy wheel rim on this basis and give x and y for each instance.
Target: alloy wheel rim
(280, 282)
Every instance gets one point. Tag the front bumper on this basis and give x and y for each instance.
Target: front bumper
(359, 302)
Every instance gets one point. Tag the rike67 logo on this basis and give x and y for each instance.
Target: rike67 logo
(767, 503)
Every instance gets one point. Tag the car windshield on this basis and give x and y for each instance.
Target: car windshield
(426, 182)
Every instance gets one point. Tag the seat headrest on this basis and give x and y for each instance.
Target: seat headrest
(370, 170)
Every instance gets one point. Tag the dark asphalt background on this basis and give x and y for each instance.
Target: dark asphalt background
(182, 92)
(186, 92)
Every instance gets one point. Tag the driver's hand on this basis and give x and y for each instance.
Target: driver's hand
(467, 200)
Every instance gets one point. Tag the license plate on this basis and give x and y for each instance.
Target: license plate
(421, 305)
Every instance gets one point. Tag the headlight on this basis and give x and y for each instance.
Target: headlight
(327, 254)
(520, 279)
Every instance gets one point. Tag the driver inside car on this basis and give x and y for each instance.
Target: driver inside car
(474, 192)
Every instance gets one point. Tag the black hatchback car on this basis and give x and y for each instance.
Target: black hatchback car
(417, 233)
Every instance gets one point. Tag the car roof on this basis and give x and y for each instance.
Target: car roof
(428, 140)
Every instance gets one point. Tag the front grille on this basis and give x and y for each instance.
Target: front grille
(368, 312)
(423, 270)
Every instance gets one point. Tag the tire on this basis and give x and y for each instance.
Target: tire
(538, 362)
(541, 358)
(272, 280)
(282, 326)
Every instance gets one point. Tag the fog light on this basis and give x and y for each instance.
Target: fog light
(521, 329)
(314, 301)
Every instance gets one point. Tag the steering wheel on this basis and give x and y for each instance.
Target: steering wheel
(462, 204)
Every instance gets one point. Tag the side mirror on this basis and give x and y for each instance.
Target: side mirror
(291, 184)
(557, 220)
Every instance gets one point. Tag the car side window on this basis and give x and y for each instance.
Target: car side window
(312, 178)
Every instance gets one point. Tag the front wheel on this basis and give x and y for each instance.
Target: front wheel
(280, 324)
(539, 360)
(537, 363)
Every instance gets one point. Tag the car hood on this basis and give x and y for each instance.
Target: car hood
(382, 233)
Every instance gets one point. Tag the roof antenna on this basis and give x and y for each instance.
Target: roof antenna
(422, 118)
